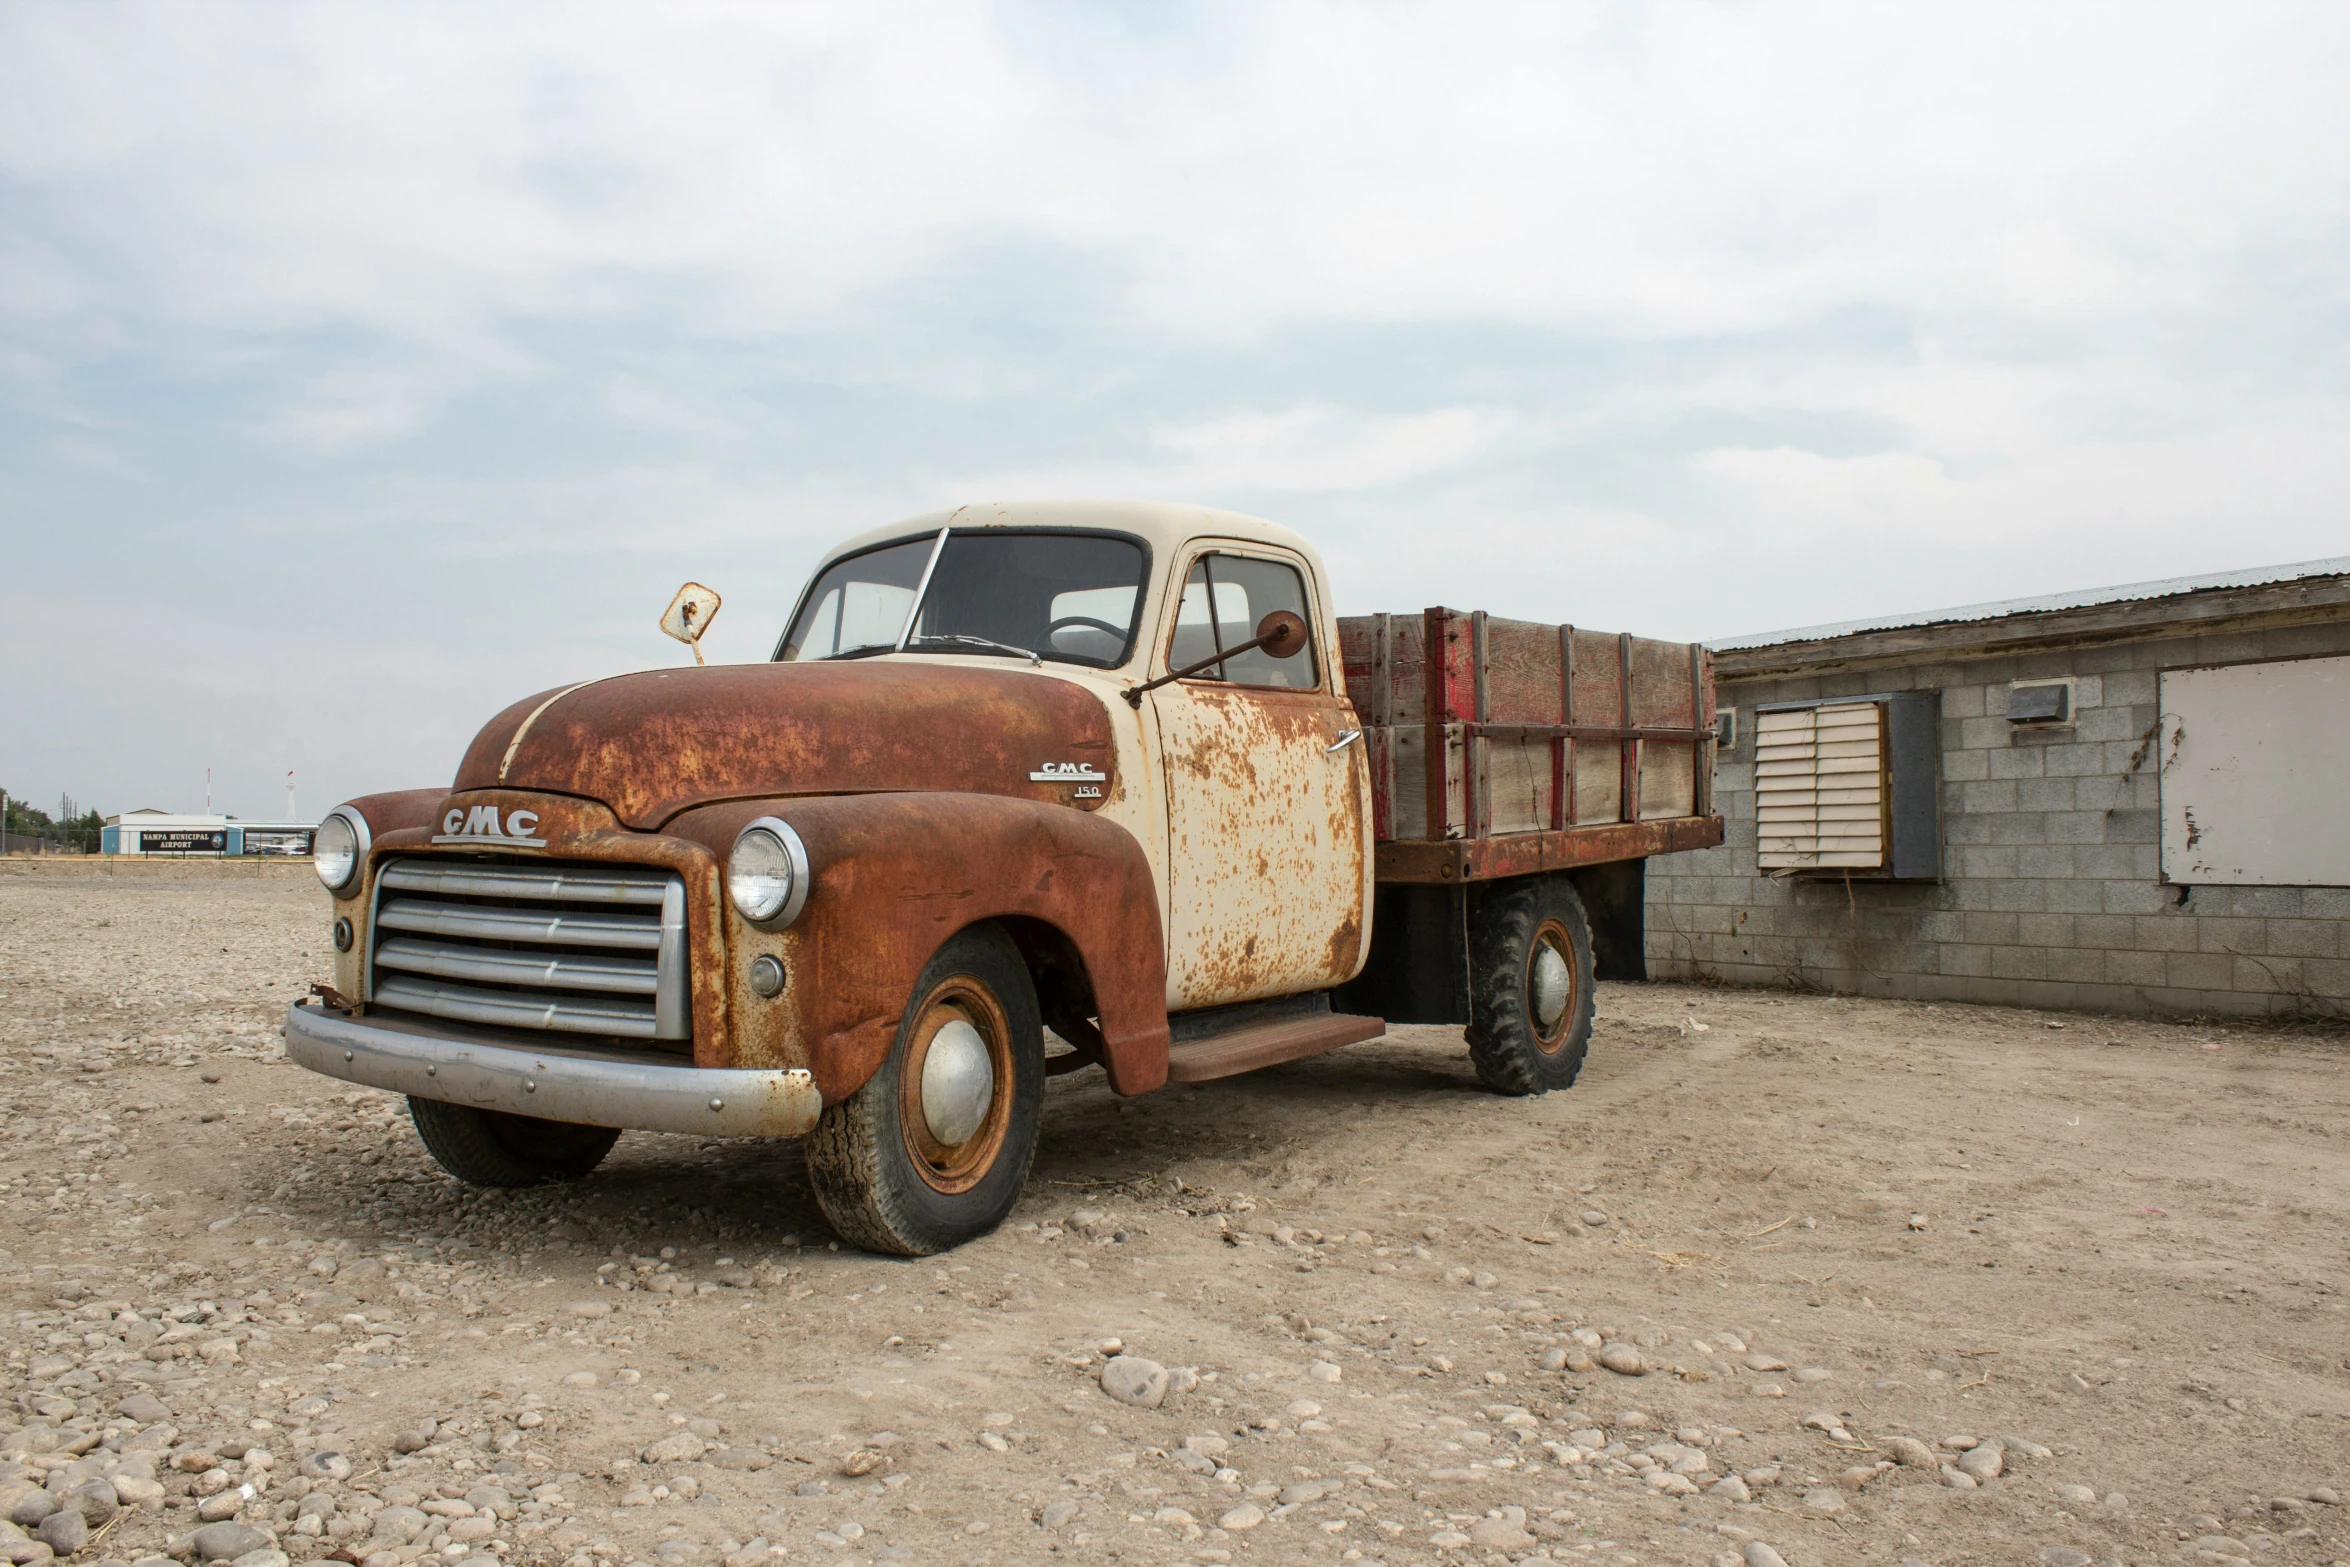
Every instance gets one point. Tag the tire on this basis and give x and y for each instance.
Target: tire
(1514, 1049)
(492, 1148)
(880, 1172)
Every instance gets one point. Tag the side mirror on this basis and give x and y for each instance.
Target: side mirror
(689, 615)
(1281, 634)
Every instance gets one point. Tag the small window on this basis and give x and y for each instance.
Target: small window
(1223, 599)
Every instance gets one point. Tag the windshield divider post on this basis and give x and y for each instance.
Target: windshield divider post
(922, 589)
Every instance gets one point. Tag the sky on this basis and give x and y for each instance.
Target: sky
(364, 368)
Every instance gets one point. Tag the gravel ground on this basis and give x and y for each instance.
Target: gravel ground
(1881, 1282)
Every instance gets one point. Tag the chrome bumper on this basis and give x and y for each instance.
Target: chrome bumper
(568, 1083)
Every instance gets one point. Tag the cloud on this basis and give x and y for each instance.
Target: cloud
(462, 335)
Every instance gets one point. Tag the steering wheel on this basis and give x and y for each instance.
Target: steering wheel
(1085, 620)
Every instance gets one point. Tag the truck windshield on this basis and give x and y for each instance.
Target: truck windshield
(1070, 597)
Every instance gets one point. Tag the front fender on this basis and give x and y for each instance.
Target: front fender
(894, 876)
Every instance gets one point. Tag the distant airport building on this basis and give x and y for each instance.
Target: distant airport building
(212, 837)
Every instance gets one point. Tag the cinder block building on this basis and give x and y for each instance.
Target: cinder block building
(2134, 799)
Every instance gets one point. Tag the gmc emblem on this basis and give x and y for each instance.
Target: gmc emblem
(479, 825)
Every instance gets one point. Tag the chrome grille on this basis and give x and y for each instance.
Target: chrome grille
(576, 948)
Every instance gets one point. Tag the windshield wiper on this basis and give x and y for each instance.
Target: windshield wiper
(1036, 659)
(866, 650)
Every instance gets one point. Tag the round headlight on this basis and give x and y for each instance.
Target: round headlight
(767, 873)
(337, 849)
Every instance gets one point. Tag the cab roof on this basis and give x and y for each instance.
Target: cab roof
(1164, 526)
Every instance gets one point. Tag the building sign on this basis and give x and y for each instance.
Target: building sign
(183, 840)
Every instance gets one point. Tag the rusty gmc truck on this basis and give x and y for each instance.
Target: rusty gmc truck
(1114, 771)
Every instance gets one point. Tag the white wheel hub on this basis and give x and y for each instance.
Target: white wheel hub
(958, 1082)
(1552, 983)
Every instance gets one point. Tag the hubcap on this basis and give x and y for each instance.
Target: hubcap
(958, 1083)
(955, 1085)
(1552, 983)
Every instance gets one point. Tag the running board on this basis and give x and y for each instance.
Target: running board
(1266, 1043)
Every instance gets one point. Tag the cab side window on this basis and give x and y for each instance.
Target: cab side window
(1223, 599)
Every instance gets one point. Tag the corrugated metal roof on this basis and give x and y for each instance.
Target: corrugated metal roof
(2167, 587)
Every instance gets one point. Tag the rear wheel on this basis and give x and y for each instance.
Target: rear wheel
(935, 1148)
(1530, 986)
(492, 1148)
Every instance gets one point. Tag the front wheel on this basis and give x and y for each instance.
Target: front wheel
(934, 1149)
(1530, 986)
(492, 1148)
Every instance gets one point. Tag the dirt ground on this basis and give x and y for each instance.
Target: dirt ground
(2108, 1256)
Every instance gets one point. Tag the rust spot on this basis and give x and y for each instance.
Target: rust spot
(651, 745)
(861, 955)
(1264, 822)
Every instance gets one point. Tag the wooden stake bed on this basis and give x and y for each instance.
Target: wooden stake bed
(1504, 748)
(1269, 1043)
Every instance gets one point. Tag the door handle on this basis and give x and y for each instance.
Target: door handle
(1346, 737)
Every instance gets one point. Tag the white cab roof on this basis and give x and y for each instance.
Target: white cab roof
(1161, 525)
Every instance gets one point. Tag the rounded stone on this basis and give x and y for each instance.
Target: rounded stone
(1130, 1379)
(226, 1542)
(1623, 1360)
(64, 1531)
(96, 1500)
(1911, 1453)
(1985, 1461)
(958, 1083)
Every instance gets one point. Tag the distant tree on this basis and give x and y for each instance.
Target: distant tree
(70, 827)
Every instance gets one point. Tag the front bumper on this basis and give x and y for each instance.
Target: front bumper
(569, 1082)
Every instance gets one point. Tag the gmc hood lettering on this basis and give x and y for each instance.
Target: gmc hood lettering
(479, 825)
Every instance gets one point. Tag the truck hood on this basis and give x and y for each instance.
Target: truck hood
(651, 745)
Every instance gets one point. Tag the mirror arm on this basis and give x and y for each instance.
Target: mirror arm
(1134, 694)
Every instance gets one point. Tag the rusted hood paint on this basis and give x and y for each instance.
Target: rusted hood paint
(651, 745)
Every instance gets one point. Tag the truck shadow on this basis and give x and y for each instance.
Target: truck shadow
(750, 1196)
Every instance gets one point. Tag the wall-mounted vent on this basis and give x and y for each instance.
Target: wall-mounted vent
(1849, 787)
(2040, 702)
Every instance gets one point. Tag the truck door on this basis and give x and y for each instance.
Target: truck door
(1268, 827)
